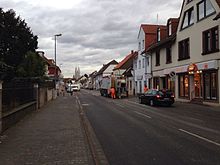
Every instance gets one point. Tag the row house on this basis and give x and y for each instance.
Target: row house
(124, 69)
(187, 59)
(142, 63)
(106, 70)
(52, 70)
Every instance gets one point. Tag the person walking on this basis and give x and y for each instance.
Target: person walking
(113, 93)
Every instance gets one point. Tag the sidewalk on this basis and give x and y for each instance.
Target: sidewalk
(49, 136)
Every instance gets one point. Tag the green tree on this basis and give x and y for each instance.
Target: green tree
(16, 39)
(32, 66)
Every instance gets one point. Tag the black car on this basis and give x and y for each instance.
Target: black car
(157, 97)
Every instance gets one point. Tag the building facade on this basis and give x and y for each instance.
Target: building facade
(194, 68)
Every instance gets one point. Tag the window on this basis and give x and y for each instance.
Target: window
(143, 63)
(169, 28)
(139, 46)
(158, 34)
(142, 44)
(184, 85)
(168, 55)
(210, 85)
(184, 49)
(157, 58)
(147, 61)
(210, 40)
(139, 64)
(188, 18)
(204, 9)
(135, 64)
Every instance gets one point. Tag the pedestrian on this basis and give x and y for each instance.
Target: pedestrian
(145, 88)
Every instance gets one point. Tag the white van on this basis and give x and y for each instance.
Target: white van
(75, 87)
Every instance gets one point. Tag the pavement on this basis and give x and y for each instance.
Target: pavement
(58, 133)
(53, 135)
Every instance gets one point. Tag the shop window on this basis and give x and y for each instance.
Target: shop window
(156, 82)
(204, 9)
(210, 85)
(183, 85)
(188, 18)
(184, 49)
(210, 41)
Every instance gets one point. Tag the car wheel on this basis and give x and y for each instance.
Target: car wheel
(151, 102)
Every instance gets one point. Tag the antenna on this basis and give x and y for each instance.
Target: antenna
(157, 19)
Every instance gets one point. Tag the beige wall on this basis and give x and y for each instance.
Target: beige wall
(194, 33)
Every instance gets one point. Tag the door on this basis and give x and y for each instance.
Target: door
(198, 86)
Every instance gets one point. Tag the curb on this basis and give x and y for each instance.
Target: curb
(95, 147)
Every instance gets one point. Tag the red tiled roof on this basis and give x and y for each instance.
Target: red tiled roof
(125, 60)
(148, 28)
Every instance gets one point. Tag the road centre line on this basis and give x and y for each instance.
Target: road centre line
(142, 114)
(200, 137)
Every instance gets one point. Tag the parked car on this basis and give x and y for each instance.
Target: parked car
(157, 97)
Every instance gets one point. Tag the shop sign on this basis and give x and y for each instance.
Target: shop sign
(192, 68)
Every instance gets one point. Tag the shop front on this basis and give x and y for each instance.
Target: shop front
(197, 81)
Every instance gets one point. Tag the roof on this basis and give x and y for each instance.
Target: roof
(127, 60)
(105, 66)
(150, 29)
(160, 44)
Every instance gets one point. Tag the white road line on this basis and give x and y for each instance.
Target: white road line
(200, 137)
(143, 115)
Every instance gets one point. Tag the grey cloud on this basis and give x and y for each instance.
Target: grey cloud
(94, 31)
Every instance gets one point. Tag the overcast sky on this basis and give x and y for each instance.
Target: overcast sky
(93, 31)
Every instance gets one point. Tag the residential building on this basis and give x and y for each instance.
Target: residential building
(106, 70)
(163, 56)
(142, 63)
(198, 74)
(124, 69)
(195, 63)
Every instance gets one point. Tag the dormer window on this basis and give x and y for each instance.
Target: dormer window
(204, 9)
(188, 18)
(169, 28)
(158, 34)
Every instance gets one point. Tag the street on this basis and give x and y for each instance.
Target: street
(132, 133)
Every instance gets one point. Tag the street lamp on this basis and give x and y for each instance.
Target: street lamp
(55, 51)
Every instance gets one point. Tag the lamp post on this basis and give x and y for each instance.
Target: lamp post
(55, 52)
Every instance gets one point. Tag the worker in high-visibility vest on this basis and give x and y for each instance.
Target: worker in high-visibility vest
(113, 93)
(145, 88)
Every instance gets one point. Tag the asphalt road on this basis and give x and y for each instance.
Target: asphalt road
(135, 134)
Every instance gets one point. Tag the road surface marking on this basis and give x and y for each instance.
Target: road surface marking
(143, 114)
(85, 104)
(200, 137)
